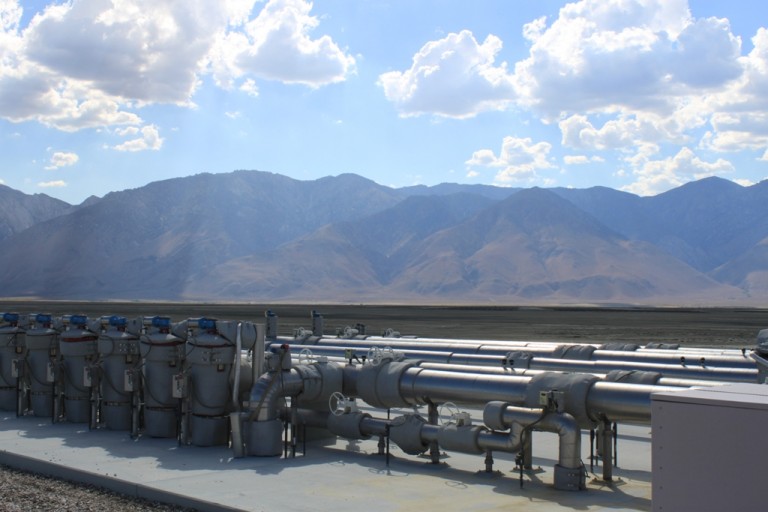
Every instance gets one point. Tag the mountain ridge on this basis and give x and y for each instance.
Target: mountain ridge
(254, 235)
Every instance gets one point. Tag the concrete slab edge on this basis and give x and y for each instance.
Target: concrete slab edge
(131, 489)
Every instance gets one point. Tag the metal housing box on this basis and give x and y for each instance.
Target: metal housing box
(708, 452)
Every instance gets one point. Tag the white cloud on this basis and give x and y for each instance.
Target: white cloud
(518, 161)
(582, 159)
(276, 45)
(656, 176)
(93, 64)
(452, 77)
(625, 74)
(62, 159)
(149, 138)
(249, 87)
(625, 55)
(52, 184)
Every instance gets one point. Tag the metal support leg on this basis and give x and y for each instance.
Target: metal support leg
(433, 418)
(386, 433)
(489, 461)
(528, 449)
(381, 445)
(606, 433)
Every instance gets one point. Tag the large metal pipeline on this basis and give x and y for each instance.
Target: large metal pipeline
(614, 375)
(587, 398)
(521, 361)
(514, 402)
(582, 352)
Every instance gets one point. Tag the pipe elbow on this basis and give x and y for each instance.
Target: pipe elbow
(269, 389)
(569, 433)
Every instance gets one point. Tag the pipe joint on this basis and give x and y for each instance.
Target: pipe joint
(574, 387)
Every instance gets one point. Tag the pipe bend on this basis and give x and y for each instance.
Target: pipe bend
(268, 389)
(518, 419)
(569, 432)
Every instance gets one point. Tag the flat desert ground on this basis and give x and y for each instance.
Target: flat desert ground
(694, 327)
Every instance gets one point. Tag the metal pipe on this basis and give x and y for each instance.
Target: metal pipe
(269, 389)
(499, 348)
(692, 370)
(497, 370)
(462, 387)
(238, 357)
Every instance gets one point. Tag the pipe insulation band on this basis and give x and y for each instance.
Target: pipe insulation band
(348, 425)
(575, 386)
(460, 438)
(620, 346)
(633, 376)
(577, 352)
(320, 380)
(379, 385)
(405, 432)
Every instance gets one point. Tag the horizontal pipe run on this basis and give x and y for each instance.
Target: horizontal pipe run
(494, 370)
(676, 371)
(500, 348)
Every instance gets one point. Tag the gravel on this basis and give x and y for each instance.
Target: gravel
(21, 491)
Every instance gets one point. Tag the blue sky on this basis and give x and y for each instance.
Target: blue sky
(637, 95)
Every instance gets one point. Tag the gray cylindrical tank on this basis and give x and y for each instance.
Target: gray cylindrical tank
(12, 349)
(209, 361)
(42, 342)
(162, 355)
(119, 353)
(78, 354)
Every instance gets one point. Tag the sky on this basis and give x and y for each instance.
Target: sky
(637, 95)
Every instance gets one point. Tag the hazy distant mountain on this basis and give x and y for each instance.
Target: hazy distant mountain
(252, 235)
(444, 189)
(18, 211)
(152, 241)
(703, 223)
(537, 246)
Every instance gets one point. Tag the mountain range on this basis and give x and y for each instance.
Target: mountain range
(262, 237)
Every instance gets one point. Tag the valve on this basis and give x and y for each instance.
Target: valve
(340, 404)
(377, 355)
(455, 415)
(306, 356)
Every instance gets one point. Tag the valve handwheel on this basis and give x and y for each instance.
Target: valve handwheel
(337, 403)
